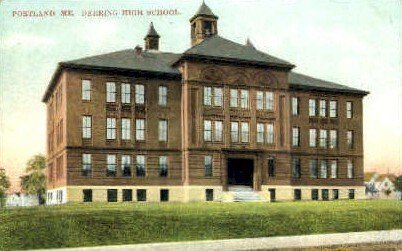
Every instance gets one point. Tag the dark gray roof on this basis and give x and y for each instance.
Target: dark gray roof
(152, 61)
(221, 48)
(151, 31)
(300, 81)
(204, 11)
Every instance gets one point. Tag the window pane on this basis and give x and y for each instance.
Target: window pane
(270, 133)
(126, 165)
(234, 131)
(349, 135)
(260, 133)
(244, 99)
(218, 130)
(86, 90)
(140, 129)
(163, 166)
(125, 129)
(349, 110)
(333, 108)
(350, 169)
(86, 164)
(324, 169)
(110, 128)
(244, 132)
(163, 130)
(139, 94)
(111, 165)
(269, 101)
(218, 96)
(295, 136)
(313, 169)
(296, 168)
(207, 130)
(208, 165)
(125, 93)
(86, 127)
(295, 106)
(313, 137)
(333, 135)
(334, 169)
(323, 108)
(162, 95)
(110, 92)
(260, 100)
(233, 98)
(140, 165)
(312, 107)
(207, 96)
(323, 138)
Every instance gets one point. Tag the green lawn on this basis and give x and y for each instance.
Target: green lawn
(106, 224)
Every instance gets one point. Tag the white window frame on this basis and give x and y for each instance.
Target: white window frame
(162, 95)
(163, 130)
(125, 93)
(125, 129)
(140, 129)
(140, 94)
(110, 92)
(110, 128)
(86, 89)
(86, 127)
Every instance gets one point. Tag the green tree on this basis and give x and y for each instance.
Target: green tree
(34, 182)
(4, 185)
(398, 185)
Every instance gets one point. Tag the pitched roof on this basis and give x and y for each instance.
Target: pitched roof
(151, 31)
(204, 11)
(220, 48)
(300, 81)
(152, 61)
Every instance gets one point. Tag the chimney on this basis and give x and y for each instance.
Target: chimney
(138, 50)
(152, 39)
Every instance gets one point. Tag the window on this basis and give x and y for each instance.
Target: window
(334, 169)
(295, 136)
(260, 100)
(162, 100)
(127, 195)
(269, 101)
(349, 109)
(86, 89)
(87, 194)
(333, 108)
(207, 95)
(313, 137)
(271, 167)
(272, 194)
(218, 96)
(260, 133)
(297, 194)
(295, 106)
(323, 108)
(207, 130)
(163, 166)
(208, 166)
(139, 94)
(296, 168)
(335, 194)
(125, 129)
(126, 165)
(244, 132)
(234, 131)
(333, 139)
(218, 130)
(233, 98)
(110, 92)
(86, 164)
(312, 107)
(270, 133)
(164, 195)
(350, 169)
(111, 128)
(86, 127)
(163, 130)
(112, 195)
(140, 166)
(351, 194)
(141, 195)
(209, 194)
(111, 165)
(140, 129)
(325, 194)
(125, 93)
(324, 171)
(323, 138)
(314, 194)
(314, 168)
(244, 99)
(349, 136)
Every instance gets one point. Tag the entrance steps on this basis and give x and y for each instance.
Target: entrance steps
(244, 194)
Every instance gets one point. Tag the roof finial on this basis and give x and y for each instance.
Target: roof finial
(151, 31)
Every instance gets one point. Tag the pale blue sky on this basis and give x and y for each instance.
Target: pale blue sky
(357, 43)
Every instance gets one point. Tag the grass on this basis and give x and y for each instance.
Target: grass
(111, 224)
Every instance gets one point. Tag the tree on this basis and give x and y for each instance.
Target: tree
(34, 182)
(371, 188)
(4, 185)
(387, 192)
(398, 185)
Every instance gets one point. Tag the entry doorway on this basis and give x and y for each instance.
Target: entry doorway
(240, 172)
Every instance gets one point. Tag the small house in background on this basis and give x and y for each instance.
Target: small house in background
(381, 186)
(17, 199)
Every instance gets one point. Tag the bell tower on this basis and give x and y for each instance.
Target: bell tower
(152, 39)
(204, 24)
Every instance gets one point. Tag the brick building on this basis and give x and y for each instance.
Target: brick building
(221, 121)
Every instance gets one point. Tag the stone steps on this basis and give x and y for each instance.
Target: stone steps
(244, 194)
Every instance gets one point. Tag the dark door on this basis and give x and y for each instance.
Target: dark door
(240, 172)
